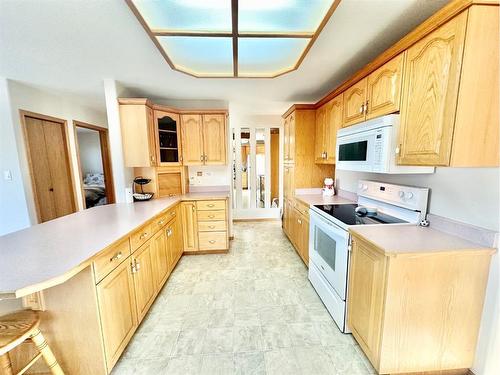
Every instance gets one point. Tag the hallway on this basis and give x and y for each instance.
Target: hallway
(251, 311)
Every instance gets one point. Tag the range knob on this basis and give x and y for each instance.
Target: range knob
(365, 187)
(360, 186)
(401, 194)
(409, 195)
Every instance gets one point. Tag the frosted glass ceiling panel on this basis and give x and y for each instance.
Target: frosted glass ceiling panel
(186, 15)
(268, 56)
(200, 55)
(281, 15)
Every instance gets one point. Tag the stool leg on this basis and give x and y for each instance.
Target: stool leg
(5, 365)
(47, 354)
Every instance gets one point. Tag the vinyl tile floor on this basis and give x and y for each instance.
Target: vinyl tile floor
(251, 311)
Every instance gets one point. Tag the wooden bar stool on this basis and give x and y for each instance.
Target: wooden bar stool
(17, 327)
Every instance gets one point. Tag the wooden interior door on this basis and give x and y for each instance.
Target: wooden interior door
(50, 167)
(214, 139)
(431, 84)
(333, 124)
(384, 88)
(192, 139)
(189, 226)
(116, 297)
(354, 102)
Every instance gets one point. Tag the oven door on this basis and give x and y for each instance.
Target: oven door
(356, 152)
(328, 249)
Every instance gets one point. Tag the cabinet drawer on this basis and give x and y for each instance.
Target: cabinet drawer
(212, 240)
(302, 208)
(111, 258)
(159, 222)
(210, 205)
(140, 236)
(212, 226)
(211, 215)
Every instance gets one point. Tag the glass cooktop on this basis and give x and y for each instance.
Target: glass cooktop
(348, 214)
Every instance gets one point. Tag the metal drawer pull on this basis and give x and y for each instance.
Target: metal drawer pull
(211, 226)
(299, 221)
(117, 256)
(212, 241)
(211, 216)
(144, 235)
(210, 205)
(161, 222)
(192, 207)
(172, 213)
(137, 266)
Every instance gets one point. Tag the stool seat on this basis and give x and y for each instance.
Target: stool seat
(15, 328)
(23, 326)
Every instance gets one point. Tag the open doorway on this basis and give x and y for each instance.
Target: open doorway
(94, 164)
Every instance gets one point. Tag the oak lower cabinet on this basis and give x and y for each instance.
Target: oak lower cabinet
(144, 283)
(160, 257)
(296, 227)
(189, 226)
(117, 309)
(416, 311)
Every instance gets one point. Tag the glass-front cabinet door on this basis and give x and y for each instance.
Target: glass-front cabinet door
(168, 137)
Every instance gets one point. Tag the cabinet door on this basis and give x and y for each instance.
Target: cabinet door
(304, 239)
(160, 258)
(169, 183)
(289, 188)
(143, 278)
(430, 93)
(319, 145)
(214, 139)
(138, 135)
(286, 132)
(366, 295)
(168, 138)
(116, 298)
(384, 88)
(291, 138)
(189, 226)
(332, 125)
(354, 103)
(151, 136)
(192, 139)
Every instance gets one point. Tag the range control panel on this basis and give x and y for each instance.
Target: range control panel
(414, 198)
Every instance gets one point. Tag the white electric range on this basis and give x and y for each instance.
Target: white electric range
(330, 242)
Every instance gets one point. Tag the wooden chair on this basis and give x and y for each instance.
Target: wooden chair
(17, 327)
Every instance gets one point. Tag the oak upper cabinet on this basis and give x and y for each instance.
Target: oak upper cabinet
(160, 258)
(117, 310)
(214, 139)
(168, 138)
(366, 285)
(138, 133)
(384, 88)
(319, 145)
(328, 123)
(142, 268)
(289, 131)
(189, 226)
(192, 139)
(204, 139)
(431, 85)
(354, 103)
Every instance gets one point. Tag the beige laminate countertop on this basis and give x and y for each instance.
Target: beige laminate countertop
(50, 253)
(412, 239)
(314, 199)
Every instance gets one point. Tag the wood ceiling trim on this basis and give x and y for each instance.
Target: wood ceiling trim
(234, 17)
(153, 34)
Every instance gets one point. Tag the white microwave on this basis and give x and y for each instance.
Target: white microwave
(371, 146)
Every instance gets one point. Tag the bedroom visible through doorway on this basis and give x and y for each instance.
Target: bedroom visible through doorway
(94, 164)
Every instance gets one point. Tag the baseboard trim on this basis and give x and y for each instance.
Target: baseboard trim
(204, 252)
(262, 219)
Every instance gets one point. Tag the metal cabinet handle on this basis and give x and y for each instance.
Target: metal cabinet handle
(299, 221)
(212, 241)
(211, 226)
(117, 256)
(137, 266)
(398, 149)
(210, 205)
(172, 213)
(144, 235)
(201, 157)
(161, 222)
(211, 216)
(362, 108)
(366, 107)
(192, 208)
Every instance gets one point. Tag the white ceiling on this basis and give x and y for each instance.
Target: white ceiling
(70, 46)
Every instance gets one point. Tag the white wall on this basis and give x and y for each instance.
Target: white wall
(17, 96)
(89, 147)
(468, 195)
